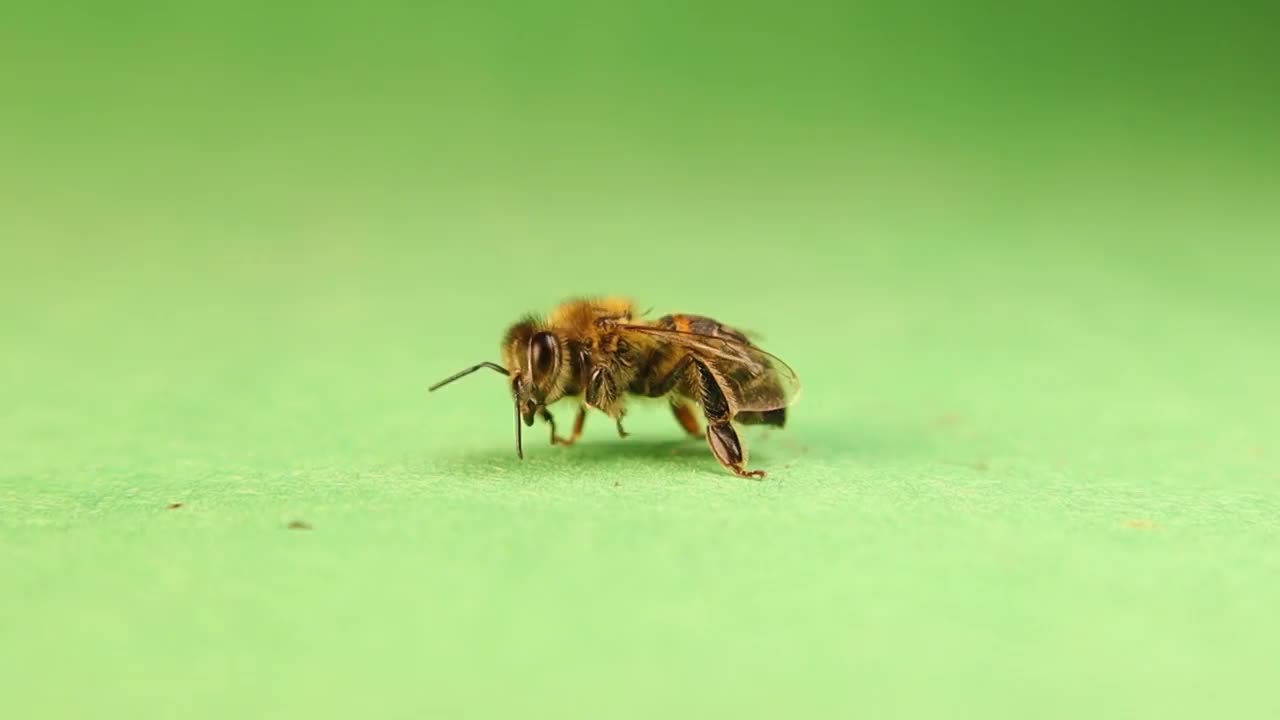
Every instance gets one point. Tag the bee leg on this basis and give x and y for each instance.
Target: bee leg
(622, 433)
(728, 449)
(577, 427)
(668, 383)
(684, 415)
(578, 422)
(600, 392)
(721, 436)
(551, 420)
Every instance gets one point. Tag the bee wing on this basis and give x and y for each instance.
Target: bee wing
(752, 379)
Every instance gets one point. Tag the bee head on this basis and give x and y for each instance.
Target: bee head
(534, 358)
(534, 366)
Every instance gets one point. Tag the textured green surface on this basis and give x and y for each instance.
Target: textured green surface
(1024, 263)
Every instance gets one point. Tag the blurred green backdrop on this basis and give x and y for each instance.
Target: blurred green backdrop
(1024, 259)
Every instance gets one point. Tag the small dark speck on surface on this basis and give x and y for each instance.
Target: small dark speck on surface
(299, 525)
(174, 506)
(981, 465)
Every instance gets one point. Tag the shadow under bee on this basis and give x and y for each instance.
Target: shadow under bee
(632, 456)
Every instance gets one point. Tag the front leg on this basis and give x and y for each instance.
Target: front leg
(578, 422)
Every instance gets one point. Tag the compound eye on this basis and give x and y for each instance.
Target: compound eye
(544, 353)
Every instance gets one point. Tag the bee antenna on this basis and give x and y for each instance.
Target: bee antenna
(492, 366)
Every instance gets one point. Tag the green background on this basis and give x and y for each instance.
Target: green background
(1024, 260)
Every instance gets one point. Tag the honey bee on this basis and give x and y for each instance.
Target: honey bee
(598, 352)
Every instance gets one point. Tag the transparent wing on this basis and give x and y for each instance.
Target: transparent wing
(752, 379)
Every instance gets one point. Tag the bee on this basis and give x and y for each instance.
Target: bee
(599, 353)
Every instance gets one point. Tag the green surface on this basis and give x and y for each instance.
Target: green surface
(1025, 264)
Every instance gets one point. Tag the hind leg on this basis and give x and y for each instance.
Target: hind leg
(721, 436)
(729, 450)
